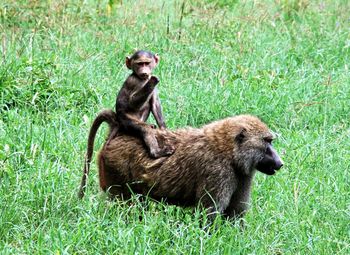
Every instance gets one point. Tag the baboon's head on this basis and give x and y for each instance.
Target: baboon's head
(255, 149)
(142, 63)
(248, 141)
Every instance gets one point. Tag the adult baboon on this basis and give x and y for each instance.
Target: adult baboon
(212, 166)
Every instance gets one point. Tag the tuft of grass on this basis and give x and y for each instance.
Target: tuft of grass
(284, 61)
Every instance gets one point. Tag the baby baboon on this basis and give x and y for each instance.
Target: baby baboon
(137, 99)
(213, 166)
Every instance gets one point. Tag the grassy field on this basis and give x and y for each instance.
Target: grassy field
(284, 61)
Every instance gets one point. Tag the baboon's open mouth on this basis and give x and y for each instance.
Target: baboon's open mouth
(271, 172)
(268, 171)
(268, 167)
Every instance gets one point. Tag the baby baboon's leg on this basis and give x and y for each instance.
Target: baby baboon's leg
(155, 149)
(144, 131)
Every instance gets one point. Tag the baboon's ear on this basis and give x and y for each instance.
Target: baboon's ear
(241, 135)
(128, 62)
(156, 58)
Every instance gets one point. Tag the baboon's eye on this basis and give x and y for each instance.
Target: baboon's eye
(268, 139)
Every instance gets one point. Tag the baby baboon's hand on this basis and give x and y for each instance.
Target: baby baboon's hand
(153, 80)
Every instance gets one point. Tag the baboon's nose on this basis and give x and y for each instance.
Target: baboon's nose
(279, 164)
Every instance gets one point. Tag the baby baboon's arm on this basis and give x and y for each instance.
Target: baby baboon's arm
(139, 97)
(157, 110)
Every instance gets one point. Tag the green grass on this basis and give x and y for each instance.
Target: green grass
(284, 61)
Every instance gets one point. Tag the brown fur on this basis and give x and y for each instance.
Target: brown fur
(212, 166)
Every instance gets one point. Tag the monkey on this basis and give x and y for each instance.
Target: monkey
(212, 167)
(137, 98)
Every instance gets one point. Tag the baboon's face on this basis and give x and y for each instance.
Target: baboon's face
(142, 64)
(256, 151)
(270, 161)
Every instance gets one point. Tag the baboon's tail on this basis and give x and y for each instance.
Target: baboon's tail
(108, 116)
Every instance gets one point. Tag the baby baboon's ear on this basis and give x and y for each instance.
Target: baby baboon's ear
(156, 58)
(128, 62)
(241, 135)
